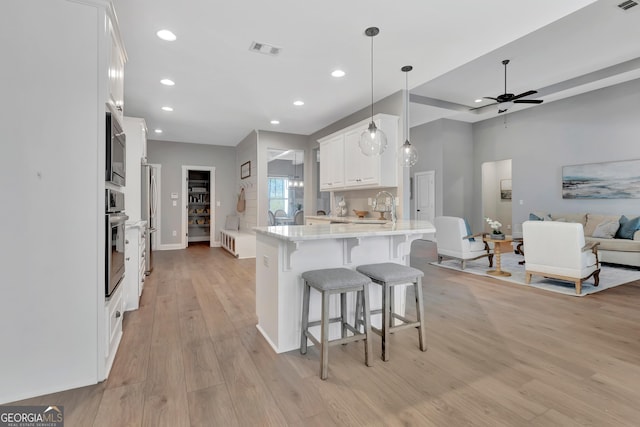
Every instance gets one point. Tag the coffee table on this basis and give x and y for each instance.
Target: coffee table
(499, 246)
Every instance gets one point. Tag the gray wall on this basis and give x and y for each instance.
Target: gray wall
(446, 147)
(172, 156)
(599, 126)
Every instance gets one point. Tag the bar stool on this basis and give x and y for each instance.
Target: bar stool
(387, 275)
(328, 282)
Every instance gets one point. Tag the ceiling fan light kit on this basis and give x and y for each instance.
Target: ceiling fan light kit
(373, 141)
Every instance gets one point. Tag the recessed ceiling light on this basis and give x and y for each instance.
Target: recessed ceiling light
(298, 103)
(158, 130)
(167, 82)
(275, 122)
(478, 100)
(167, 108)
(166, 35)
(338, 73)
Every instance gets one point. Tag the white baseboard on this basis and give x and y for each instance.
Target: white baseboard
(169, 247)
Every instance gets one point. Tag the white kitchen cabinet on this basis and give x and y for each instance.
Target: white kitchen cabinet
(357, 170)
(135, 258)
(136, 131)
(332, 163)
(59, 73)
(116, 72)
(114, 310)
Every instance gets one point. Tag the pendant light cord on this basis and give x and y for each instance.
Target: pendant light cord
(372, 77)
(406, 113)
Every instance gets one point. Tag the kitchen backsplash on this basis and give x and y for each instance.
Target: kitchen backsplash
(359, 199)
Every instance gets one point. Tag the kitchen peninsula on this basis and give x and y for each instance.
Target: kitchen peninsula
(283, 253)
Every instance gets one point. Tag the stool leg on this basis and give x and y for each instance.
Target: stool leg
(343, 314)
(305, 317)
(324, 337)
(358, 319)
(392, 307)
(420, 314)
(385, 320)
(367, 325)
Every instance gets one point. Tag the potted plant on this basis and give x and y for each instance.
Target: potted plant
(496, 233)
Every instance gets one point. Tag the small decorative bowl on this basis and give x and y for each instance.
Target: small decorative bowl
(361, 214)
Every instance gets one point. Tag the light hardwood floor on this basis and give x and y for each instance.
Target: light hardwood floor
(498, 355)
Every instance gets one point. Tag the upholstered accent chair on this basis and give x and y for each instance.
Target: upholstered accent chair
(558, 250)
(454, 241)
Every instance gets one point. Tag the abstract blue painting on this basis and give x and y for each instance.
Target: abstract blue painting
(610, 180)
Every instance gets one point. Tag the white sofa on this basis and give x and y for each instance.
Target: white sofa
(611, 250)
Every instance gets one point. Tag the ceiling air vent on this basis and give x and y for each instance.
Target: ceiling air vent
(626, 5)
(265, 48)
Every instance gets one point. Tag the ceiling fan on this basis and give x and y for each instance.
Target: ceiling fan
(508, 98)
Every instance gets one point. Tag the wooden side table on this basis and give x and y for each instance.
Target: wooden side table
(499, 246)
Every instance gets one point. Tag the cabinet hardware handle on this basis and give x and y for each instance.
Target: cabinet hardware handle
(127, 258)
(118, 314)
(119, 108)
(126, 242)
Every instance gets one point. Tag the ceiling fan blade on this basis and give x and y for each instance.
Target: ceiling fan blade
(489, 97)
(522, 95)
(528, 101)
(477, 108)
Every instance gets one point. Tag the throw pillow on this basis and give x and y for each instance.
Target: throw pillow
(469, 233)
(232, 223)
(537, 216)
(628, 227)
(593, 220)
(606, 230)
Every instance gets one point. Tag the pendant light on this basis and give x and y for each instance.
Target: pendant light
(408, 153)
(373, 141)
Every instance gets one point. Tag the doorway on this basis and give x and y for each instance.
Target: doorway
(285, 189)
(198, 196)
(496, 193)
(424, 190)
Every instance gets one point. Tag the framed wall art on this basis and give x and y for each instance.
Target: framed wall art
(609, 180)
(245, 170)
(505, 189)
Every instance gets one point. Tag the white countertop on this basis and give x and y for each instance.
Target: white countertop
(295, 233)
(349, 219)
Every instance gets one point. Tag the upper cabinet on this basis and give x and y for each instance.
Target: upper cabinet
(116, 71)
(343, 166)
(332, 163)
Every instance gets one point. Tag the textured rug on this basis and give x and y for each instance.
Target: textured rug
(610, 276)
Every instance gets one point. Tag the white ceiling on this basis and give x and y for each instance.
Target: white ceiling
(223, 91)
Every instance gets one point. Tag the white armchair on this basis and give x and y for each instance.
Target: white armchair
(453, 241)
(558, 250)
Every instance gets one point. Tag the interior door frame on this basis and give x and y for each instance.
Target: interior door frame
(184, 240)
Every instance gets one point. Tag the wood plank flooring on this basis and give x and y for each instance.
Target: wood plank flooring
(498, 355)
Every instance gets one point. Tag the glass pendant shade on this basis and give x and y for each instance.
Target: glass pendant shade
(373, 141)
(408, 154)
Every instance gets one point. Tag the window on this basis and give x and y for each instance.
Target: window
(279, 194)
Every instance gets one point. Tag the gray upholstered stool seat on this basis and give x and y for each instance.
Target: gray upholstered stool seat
(387, 275)
(328, 282)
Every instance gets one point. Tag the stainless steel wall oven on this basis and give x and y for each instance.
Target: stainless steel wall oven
(115, 240)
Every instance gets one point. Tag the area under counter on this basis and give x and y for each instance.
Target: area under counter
(283, 253)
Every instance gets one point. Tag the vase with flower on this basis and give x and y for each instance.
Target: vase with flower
(496, 232)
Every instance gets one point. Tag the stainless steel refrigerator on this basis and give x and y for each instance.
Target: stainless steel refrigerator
(149, 210)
